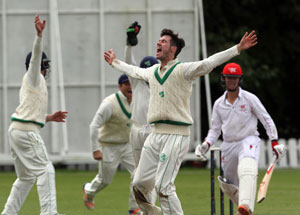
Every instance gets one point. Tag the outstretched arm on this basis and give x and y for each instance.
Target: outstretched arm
(247, 41)
(195, 69)
(132, 71)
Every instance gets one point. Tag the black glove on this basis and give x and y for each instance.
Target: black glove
(132, 31)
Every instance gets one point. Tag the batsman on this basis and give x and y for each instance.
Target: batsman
(236, 114)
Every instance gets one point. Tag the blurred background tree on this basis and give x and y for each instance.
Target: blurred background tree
(272, 68)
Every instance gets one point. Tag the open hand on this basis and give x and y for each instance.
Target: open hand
(39, 26)
(247, 41)
(109, 56)
(58, 116)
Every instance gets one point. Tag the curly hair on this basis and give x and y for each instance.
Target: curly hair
(175, 40)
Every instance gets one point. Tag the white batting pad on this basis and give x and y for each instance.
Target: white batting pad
(247, 172)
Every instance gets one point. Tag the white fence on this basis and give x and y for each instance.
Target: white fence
(290, 160)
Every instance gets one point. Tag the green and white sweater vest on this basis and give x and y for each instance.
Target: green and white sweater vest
(169, 109)
(116, 130)
(33, 103)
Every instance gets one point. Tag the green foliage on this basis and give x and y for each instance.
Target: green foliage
(193, 189)
(271, 69)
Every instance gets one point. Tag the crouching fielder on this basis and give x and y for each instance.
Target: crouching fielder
(235, 114)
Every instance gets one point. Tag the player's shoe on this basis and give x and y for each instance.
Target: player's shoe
(135, 212)
(88, 201)
(244, 210)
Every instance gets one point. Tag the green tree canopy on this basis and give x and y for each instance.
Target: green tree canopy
(272, 68)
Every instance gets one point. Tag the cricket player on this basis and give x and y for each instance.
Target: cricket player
(109, 135)
(235, 114)
(170, 85)
(140, 129)
(27, 146)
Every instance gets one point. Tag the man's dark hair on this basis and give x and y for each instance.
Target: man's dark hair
(175, 40)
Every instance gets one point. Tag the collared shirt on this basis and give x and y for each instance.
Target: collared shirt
(239, 120)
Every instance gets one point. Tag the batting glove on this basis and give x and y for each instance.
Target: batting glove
(201, 150)
(132, 31)
(278, 149)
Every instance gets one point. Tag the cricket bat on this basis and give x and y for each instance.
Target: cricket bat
(263, 187)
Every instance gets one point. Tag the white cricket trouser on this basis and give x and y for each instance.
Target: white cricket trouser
(138, 136)
(233, 152)
(113, 155)
(158, 167)
(31, 162)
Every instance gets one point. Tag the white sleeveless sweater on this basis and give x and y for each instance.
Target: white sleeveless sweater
(33, 103)
(168, 105)
(116, 129)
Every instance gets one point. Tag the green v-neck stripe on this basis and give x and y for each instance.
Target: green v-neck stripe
(122, 107)
(165, 77)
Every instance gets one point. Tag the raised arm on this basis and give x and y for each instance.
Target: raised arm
(193, 70)
(34, 69)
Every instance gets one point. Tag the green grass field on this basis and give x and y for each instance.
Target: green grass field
(193, 189)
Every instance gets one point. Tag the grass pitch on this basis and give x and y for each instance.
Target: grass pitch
(193, 189)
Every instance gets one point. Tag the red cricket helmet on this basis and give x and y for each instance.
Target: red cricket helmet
(232, 70)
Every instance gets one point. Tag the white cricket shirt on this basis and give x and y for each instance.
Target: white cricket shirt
(239, 120)
(140, 93)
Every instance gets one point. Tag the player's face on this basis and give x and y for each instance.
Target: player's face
(125, 88)
(232, 83)
(163, 47)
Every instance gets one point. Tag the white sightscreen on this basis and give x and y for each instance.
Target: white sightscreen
(86, 29)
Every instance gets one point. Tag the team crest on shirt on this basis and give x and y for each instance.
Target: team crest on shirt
(162, 94)
(162, 157)
(243, 107)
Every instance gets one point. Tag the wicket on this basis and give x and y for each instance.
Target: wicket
(212, 184)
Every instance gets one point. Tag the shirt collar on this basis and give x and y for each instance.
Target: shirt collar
(239, 95)
(170, 63)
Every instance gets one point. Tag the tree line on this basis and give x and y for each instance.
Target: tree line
(272, 68)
